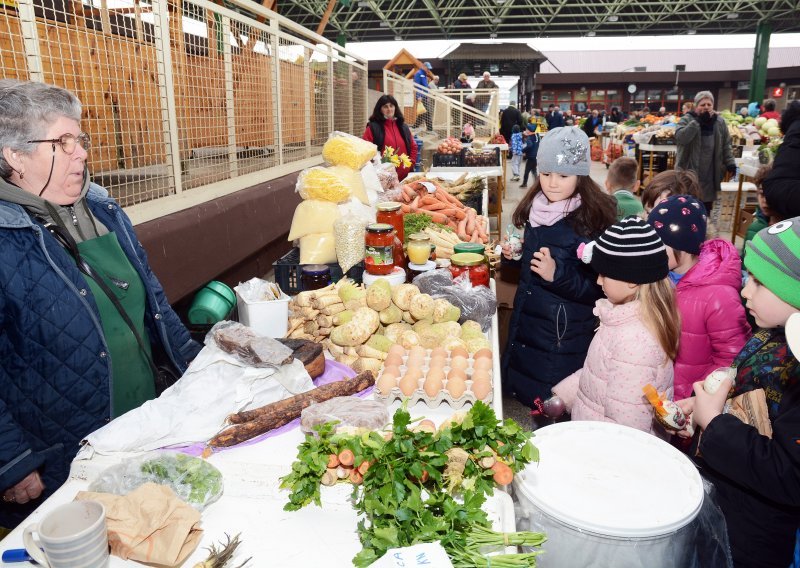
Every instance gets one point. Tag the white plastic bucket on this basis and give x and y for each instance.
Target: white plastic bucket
(269, 318)
(609, 495)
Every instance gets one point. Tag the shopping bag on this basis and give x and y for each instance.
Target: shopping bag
(421, 108)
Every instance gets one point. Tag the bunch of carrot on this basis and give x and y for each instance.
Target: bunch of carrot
(445, 209)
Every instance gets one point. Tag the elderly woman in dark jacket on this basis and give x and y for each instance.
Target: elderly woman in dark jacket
(782, 185)
(69, 360)
(704, 146)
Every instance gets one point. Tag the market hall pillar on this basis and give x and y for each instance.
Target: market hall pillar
(758, 75)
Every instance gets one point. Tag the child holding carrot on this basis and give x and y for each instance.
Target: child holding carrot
(516, 151)
(553, 322)
(638, 334)
(757, 478)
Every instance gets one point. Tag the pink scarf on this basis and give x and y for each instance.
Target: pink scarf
(545, 214)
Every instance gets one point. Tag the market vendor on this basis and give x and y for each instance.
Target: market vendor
(387, 127)
(75, 350)
(704, 146)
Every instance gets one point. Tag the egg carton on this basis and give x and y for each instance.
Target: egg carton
(419, 394)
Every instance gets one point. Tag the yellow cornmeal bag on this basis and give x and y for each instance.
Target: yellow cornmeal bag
(324, 184)
(344, 149)
(318, 248)
(313, 216)
(352, 179)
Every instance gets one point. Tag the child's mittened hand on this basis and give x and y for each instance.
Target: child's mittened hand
(709, 406)
(543, 264)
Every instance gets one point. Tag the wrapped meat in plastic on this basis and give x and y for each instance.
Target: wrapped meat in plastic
(251, 348)
(352, 414)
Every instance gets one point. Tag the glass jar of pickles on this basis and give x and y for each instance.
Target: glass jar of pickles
(471, 263)
(419, 248)
(379, 248)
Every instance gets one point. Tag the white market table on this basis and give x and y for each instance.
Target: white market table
(252, 504)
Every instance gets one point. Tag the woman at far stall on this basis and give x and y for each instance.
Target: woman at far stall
(71, 357)
(387, 127)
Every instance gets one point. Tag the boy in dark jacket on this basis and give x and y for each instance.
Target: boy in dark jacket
(529, 148)
(757, 477)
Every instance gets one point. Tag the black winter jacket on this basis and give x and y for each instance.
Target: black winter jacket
(782, 185)
(553, 322)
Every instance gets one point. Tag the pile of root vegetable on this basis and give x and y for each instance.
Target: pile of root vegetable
(358, 325)
(445, 209)
(416, 484)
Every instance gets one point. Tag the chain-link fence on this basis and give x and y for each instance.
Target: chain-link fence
(185, 94)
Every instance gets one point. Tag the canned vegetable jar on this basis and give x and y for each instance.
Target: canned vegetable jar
(389, 212)
(471, 263)
(315, 276)
(379, 248)
(419, 248)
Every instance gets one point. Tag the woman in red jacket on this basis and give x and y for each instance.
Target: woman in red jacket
(387, 127)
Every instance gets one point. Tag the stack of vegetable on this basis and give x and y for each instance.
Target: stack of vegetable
(450, 145)
(465, 188)
(407, 489)
(445, 209)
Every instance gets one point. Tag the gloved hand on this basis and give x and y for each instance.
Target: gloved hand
(705, 118)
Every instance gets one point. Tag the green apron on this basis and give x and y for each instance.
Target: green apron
(132, 381)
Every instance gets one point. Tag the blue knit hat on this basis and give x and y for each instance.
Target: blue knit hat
(680, 221)
(564, 150)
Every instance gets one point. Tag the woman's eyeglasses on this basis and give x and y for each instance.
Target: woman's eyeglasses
(69, 142)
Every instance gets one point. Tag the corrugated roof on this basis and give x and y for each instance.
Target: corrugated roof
(614, 61)
(495, 52)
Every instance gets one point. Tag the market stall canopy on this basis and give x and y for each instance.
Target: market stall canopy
(381, 20)
(497, 58)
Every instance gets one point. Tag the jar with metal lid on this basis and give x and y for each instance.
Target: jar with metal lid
(315, 276)
(379, 242)
(475, 248)
(419, 248)
(389, 212)
(414, 270)
(471, 263)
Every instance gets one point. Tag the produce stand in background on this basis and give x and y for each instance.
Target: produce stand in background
(647, 152)
(503, 149)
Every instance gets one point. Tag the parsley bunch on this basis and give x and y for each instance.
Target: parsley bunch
(410, 495)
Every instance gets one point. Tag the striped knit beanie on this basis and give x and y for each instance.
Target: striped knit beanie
(773, 257)
(630, 251)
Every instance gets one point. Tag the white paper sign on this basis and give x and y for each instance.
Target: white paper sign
(429, 186)
(427, 555)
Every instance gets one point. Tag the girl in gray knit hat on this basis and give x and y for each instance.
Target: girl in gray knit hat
(552, 323)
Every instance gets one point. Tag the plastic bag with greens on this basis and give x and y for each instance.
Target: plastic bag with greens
(192, 479)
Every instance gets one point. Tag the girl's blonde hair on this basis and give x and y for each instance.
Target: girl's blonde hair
(660, 314)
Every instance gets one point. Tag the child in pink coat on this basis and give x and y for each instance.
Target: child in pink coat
(708, 278)
(638, 334)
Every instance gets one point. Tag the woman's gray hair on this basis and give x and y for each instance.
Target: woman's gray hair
(27, 109)
(703, 95)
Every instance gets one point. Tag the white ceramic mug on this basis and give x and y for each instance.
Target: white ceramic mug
(72, 536)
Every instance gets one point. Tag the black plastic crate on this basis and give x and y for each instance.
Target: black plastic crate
(448, 160)
(482, 159)
(288, 271)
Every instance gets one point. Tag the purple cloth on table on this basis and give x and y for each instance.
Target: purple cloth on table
(334, 372)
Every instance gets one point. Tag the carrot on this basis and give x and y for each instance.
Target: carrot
(405, 208)
(462, 228)
(415, 202)
(503, 475)
(471, 222)
(409, 191)
(437, 206)
(355, 477)
(346, 457)
(475, 238)
(429, 200)
(447, 198)
(333, 461)
(459, 214)
(362, 469)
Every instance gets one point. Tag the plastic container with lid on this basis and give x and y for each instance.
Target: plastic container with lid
(610, 495)
(395, 277)
(379, 242)
(474, 264)
(419, 248)
(315, 276)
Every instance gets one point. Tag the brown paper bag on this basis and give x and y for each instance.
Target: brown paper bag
(150, 524)
(751, 408)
